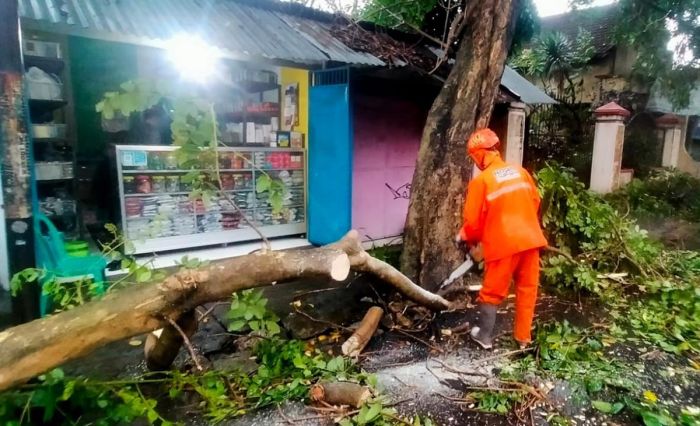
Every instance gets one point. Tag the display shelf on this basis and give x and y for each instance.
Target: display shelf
(155, 194)
(241, 116)
(179, 171)
(169, 224)
(65, 179)
(51, 140)
(46, 105)
(256, 86)
(50, 65)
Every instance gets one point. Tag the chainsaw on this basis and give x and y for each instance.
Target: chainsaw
(459, 272)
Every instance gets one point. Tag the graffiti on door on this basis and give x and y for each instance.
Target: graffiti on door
(402, 192)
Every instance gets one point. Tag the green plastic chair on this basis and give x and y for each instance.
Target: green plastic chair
(58, 264)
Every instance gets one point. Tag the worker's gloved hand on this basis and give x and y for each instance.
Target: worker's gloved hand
(460, 243)
(477, 253)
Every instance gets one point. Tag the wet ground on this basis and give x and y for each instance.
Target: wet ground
(412, 367)
(416, 369)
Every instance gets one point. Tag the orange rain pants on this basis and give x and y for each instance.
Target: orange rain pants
(500, 212)
(524, 267)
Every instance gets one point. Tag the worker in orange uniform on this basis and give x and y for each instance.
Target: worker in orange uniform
(501, 222)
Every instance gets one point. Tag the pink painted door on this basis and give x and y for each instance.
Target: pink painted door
(386, 139)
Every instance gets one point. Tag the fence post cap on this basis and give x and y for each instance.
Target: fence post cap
(668, 121)
(611, 109)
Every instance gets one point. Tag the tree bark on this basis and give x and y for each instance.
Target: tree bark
(33, 348)
(443, 169)
(160, 350)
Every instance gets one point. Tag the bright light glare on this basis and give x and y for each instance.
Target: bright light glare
(194, 59)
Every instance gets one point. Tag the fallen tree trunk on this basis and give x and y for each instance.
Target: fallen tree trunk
(38, 346)
(359, 339)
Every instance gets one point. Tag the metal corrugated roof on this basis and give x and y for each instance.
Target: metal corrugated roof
(521, 87)
(240, 30)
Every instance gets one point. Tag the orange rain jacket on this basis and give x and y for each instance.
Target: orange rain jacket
(501, 211)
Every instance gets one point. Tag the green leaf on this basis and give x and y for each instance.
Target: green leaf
(272, 328)
(373, 412)
(143, 275)
(602, 406)
(263, 183)
(236, 325)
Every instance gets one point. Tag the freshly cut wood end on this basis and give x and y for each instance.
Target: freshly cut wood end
(340, 267)
(351, 346)
(316, 393)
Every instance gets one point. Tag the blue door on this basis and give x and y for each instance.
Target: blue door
(330, 156)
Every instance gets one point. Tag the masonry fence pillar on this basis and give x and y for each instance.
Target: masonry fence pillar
(607, 147)
(515, 135)
(671, 131)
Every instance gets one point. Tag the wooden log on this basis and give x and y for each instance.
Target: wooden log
(359, 339)
(38, 346)
(35, 347)
(362, 261)
(340, 393)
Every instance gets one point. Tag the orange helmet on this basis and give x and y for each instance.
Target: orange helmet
(482, 139)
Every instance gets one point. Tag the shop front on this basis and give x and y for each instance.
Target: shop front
(92, 168)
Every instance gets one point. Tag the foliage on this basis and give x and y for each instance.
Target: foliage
(376, 413)
(496, 402)
(433, 16)
(598, 239)
(248, 310)
(669, 317)
(286, 370)
(664, 193)
(56, 399)
(576, 355)
(553, 56)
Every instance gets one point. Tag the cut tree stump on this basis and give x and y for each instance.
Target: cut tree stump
(359, 339)
(38, 346)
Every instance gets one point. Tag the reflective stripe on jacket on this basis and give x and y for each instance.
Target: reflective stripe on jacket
(501, 211)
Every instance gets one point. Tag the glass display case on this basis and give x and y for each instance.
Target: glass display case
(159, 214)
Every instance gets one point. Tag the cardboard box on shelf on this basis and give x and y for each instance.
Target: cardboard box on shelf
(250, 132)
(296, 140)
(283, 139)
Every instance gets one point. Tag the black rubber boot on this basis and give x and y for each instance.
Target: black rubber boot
(483, 333)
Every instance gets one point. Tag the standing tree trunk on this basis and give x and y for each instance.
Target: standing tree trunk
(443, 169)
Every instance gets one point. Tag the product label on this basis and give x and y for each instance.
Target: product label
(134, 159)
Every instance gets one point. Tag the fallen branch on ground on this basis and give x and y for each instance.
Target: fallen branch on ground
(361, 337)
(38, 346)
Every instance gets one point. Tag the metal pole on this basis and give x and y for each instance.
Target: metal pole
(16, 154)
